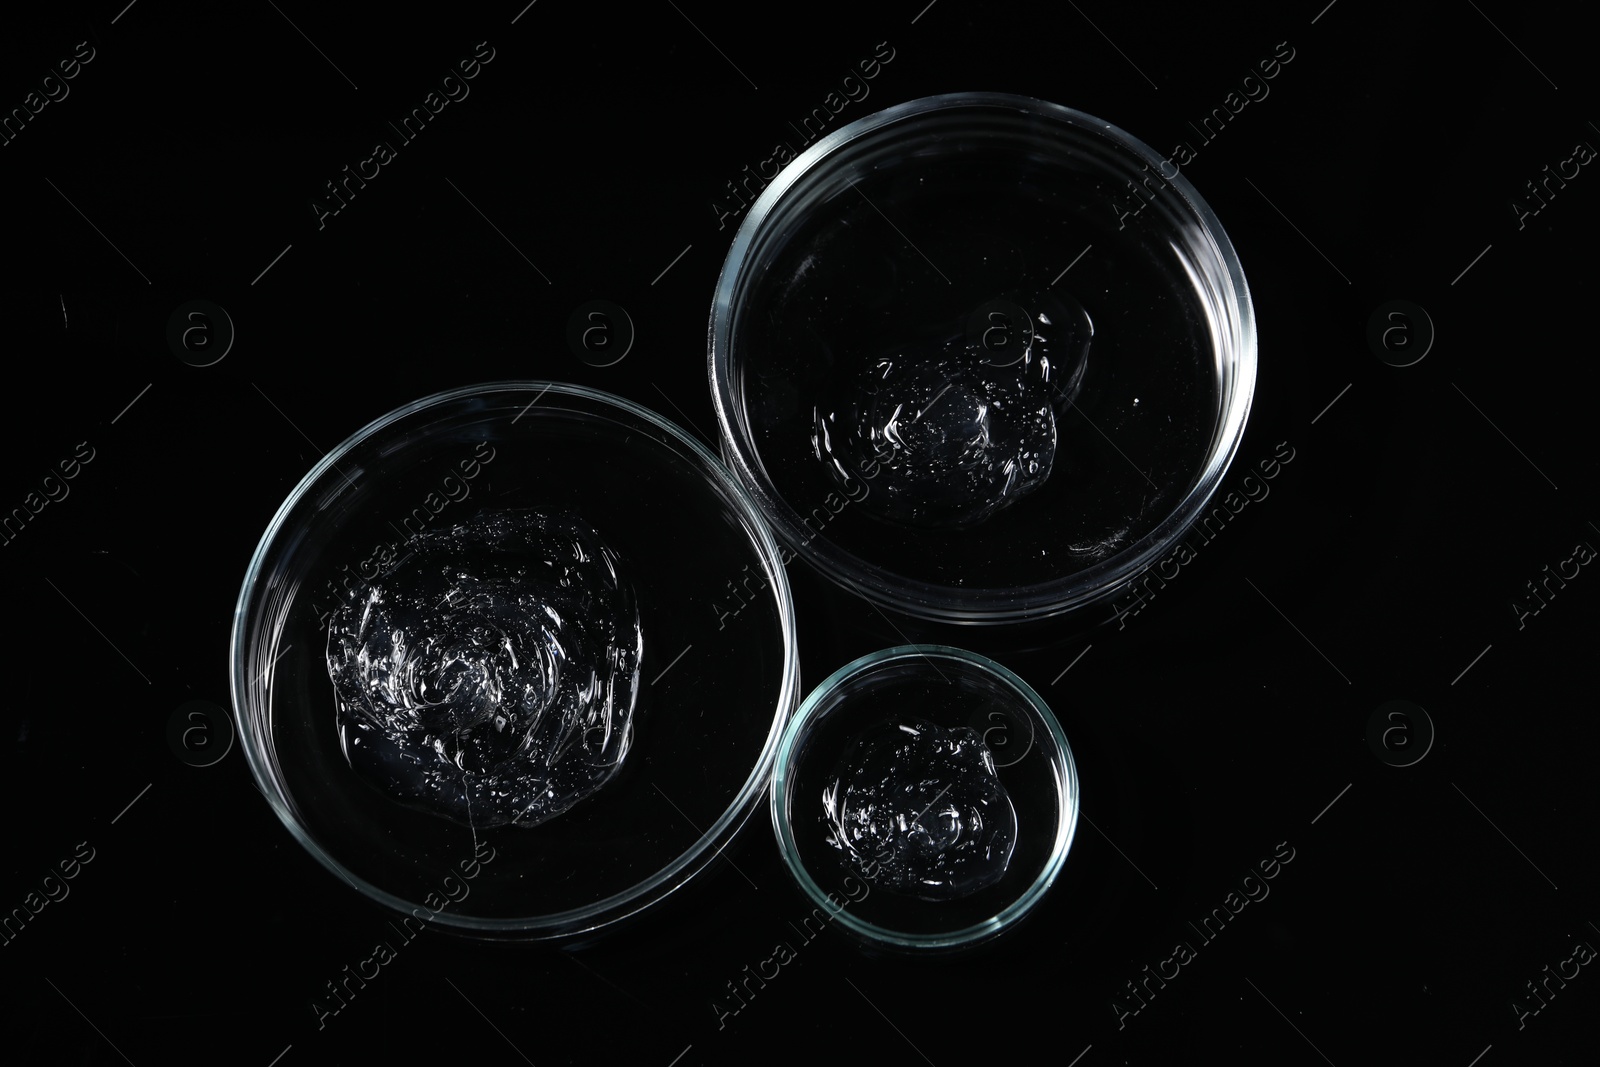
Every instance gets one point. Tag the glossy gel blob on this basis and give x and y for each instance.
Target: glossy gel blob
(946, 433)
(491, 676)
(920, 810)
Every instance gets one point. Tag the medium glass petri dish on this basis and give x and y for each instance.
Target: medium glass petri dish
(981, 358)
(962, 871)
(678, 715)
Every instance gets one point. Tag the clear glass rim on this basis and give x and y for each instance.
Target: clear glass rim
(608, 910)
(967, 604)
(1066, 825)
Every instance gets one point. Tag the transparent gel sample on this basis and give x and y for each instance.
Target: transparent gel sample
(947, 430)
(919, 809)
(491, 675)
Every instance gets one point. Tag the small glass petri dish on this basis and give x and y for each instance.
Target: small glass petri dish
(925, 798)
(478, 671)
(981, 358)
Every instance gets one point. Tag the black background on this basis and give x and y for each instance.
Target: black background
(1220, 721)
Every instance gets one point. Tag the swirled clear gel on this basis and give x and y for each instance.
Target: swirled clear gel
(919, 809)
(949, 431)
(491, 676)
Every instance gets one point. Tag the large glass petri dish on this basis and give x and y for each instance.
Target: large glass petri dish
(981, 358)
(436, 491)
